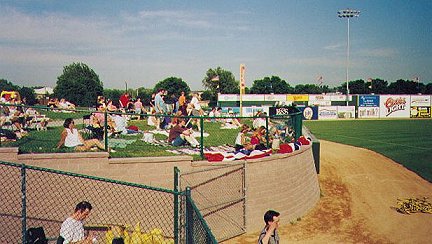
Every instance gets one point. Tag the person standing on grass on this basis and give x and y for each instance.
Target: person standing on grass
(72, 229)
(269, 234)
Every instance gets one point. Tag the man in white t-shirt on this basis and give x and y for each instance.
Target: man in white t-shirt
(72, 229)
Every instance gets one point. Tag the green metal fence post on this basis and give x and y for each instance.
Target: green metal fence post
(23, 202)
(189, 217)
(106, 130)
(267, 132)
(202, 137)
(176, 205)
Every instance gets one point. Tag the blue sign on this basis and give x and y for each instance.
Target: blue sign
(368, 101)
(309, 113)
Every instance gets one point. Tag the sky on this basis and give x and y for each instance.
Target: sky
(137, 43)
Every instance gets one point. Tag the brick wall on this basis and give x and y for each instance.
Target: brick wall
(287, 183)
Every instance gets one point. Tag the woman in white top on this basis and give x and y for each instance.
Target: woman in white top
(71, 138)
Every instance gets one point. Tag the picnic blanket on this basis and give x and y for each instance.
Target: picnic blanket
(231, 156)
(166, 133)
(223, 155)
(119, 143)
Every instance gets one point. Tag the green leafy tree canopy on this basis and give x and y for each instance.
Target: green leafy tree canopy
(173, 85)
(268, 85)
(220, 81)
(79, 84)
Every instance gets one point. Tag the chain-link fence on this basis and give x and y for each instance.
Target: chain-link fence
(219, 195)
(39, 129)
(36, 197)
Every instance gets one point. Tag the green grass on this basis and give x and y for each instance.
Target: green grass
(46, 141)
(408, 142)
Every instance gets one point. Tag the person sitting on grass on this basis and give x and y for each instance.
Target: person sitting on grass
(258, 139)
(179, 135)
(231, 122)
(242, 140)
(71, 138)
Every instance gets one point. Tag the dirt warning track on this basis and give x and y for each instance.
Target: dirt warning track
(359, 188)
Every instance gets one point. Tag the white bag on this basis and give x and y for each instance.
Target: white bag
(148, 137)
(275, 144)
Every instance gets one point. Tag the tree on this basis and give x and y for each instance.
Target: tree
(403, 87)
(378, 86)
(145, 95)
(358, 87)
(79, 84)
(428, 89)
(7, 86)
(308, 89)
(208, 95)
(173, 85)
(29, 95)
(220, 81)
(271, 85)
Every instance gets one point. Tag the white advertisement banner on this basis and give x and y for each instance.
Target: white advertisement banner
(327, 112)
(229, 97)
(319, 103)
(338, 98)
(368, 112)
(394, 106)
(319, 98)
(420, 100)
(253, 97)
(346, 112)
(275, 97)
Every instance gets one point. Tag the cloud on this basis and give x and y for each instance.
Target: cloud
(334, 47)
(378, 52)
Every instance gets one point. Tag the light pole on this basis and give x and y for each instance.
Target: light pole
(348, 13)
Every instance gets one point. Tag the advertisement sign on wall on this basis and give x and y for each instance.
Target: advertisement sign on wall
(319, 103)
(319, 98)
(327, 112)
(368, 101)
(368, 112)
(253, 97)
(339, 98)
(297, 98)
(420, 100)
(275, 97)
(229, 97)
(309, 113)
(394, 106)
(346, 112)
(420, 112)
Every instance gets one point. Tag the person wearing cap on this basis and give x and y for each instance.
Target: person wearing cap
(269, 234)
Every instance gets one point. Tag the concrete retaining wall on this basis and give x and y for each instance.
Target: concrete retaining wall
(287, 183)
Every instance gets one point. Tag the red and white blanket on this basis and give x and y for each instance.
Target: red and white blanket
(218, 156)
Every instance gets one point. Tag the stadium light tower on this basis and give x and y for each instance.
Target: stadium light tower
(348, 13)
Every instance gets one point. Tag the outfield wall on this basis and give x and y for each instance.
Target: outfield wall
(285, 182)
(330, 107)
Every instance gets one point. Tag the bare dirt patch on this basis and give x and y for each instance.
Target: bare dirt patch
(359, 188)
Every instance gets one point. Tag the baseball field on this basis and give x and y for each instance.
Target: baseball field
(408, 142)
(360, 184)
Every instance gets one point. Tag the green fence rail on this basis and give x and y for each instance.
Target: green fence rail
(38, 197)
